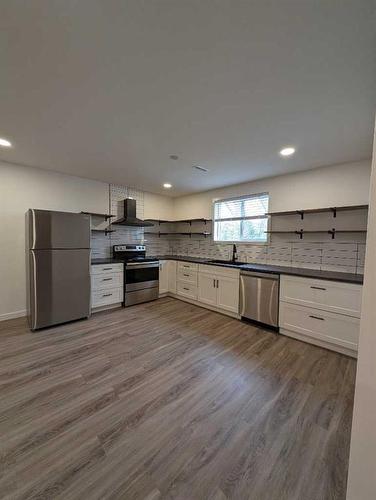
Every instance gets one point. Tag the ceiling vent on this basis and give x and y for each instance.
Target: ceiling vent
(201, 169)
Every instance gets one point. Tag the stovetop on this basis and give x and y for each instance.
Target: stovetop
(135, 259)
(140, 259)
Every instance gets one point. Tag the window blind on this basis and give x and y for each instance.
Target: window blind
(242, 218)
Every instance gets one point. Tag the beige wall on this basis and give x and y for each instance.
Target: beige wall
(362, 471)
(157, 206)
(346, 184)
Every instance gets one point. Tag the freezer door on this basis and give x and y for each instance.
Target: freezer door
(48, 229)
(59, 286)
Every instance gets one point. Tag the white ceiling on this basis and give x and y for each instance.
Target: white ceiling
(108, 89)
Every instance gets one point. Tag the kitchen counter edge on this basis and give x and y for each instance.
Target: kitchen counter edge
(264, 268)
(99, 262)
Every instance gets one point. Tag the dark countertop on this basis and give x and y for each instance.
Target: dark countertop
(264, 268)
(105, 261)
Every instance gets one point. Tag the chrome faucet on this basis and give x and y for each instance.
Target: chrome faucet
(234, 253)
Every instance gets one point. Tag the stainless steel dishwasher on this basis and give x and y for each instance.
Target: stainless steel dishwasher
(259, 297)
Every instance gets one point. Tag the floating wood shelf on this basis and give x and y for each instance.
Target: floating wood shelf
(105, 231)
(160, 233)
(333, 232)
(281, 232)
(334, 211)
(185, 221)
(104, 216)
(300, 233)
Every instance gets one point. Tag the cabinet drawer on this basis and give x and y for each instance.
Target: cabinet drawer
(187, 276)
(106, 268)
(106, 280)
(105, 297)
(187, 266)
(187, 290)
(343, 298)
(219, 270)
(326, 326)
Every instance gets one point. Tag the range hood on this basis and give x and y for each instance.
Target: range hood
(130, 218)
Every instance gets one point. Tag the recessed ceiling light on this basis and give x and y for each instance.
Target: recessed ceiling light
(5, 143)
(287, 151)
(167, 185)
(202, 169)
(174, 157)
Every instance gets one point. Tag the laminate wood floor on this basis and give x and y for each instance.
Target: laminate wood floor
(167, 400)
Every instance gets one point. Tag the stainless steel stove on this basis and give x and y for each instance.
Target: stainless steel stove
(141, 274)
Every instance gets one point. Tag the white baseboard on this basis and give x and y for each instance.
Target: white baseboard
(318, 342)
(106, 307)
(12, 315)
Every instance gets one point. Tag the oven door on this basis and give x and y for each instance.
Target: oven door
(140, 275)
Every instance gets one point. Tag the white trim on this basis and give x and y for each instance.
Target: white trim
(12, 315)
(320, 343)
(106, 307)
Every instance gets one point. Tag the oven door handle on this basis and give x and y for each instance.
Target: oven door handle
(146, 265)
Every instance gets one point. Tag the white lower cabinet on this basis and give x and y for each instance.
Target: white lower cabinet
(186, 279)
(106, 285)
(172, 265)
(328, 327)
(167, 276)
(187, 276)
(219, 287)
(187, 290)
(163, 276)
(213, 286)
(106, 297)
(107, 280)
(323, 312)
(207, 289)
(334, 296)
(228, 293)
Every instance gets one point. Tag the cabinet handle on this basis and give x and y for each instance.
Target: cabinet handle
(186, 275)
(217, 284)
(107, 279)
(318, 288)
(185, 288)
(317, 317)
(107, 295)
(107, 269)
(214, 283)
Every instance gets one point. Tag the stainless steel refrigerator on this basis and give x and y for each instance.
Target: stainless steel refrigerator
(58, 267)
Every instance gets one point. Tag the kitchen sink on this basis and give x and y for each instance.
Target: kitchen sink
(226, 262)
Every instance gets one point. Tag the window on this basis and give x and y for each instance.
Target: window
(242, 219)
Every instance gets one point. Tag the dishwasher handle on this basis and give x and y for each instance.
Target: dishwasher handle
(254, 274)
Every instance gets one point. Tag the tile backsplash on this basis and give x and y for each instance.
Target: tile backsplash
(340, 255)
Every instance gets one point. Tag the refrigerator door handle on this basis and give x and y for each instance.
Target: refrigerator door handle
(34, 299)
